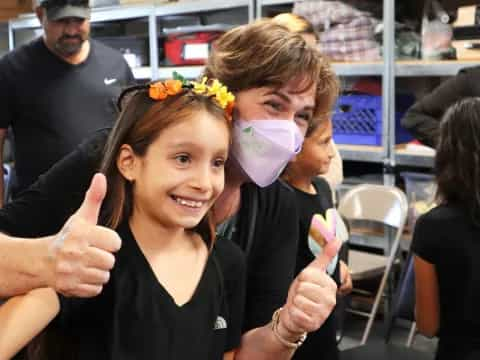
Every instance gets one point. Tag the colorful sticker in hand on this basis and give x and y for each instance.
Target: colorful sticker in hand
(323, 230)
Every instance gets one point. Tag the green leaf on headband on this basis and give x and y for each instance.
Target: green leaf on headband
(248, 130)
(177, 76)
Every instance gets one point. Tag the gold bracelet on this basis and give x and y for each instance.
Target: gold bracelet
(289, 344)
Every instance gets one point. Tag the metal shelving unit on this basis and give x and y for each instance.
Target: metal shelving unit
(388, 69)
(361, 153)
(359, 69)
(185, 7)
(4, 43)
(409, 158)
(431, 68)
(151, 13)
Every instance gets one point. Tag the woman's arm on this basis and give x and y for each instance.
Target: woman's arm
(76, 261)
(26, 267)
(311, 298)
(23, 317)
(427, 306)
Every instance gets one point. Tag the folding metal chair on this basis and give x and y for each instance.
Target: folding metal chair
(386, 205)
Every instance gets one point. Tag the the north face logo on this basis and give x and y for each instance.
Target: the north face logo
(220, 323)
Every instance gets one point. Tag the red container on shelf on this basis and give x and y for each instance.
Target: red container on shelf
(189, 49)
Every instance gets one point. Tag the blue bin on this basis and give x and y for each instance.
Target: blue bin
(357, 119)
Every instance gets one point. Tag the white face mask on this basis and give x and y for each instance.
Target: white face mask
(264, 147)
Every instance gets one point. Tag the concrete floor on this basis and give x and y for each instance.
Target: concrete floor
(355, 325)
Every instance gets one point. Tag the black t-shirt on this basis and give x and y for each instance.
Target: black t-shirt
(320, 344)
(270, 260)
(44, 207)
(447, 239)
(52, 106)
(136, 318)
(423, 118)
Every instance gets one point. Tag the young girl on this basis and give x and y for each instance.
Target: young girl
(313, 197)
(446, 240)
(174, 293)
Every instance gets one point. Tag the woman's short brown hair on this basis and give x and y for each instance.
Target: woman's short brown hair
(265, 53)
(296, 24)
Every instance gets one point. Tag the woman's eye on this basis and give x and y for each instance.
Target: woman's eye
(274, 105)
(305, 117)
(183, 159)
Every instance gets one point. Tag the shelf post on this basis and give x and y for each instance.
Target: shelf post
(388, 82)
(11, 44)
(258, 8)
(153, 44)
(252, 10)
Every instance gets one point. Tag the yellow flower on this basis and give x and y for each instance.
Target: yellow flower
(224, 97)
(200, 87)
(214, 88)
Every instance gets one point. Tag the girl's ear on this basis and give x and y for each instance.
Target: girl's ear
(127, 163)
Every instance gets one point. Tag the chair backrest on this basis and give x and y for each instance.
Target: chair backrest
(385, 204)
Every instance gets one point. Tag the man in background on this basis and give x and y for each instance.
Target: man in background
(57, 89)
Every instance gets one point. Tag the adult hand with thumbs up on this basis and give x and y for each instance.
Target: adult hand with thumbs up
(311, 297)
(81, 253)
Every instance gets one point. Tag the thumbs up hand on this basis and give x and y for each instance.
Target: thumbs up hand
(311, 297)
(81, 253)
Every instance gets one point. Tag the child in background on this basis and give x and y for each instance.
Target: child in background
(299, 25)
(174, 292)
(313, 197)
(446, 240)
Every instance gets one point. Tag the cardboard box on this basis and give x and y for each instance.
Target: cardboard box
(467, 49)
(466, 16)
(10, 9)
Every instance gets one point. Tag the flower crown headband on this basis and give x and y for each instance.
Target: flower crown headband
(214, 89)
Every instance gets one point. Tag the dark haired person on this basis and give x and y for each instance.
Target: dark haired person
(423, 118)
(446, 240)
(57, 89)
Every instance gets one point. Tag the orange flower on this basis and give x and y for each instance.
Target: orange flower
(157, 91)
(173, 86)
(229, 109)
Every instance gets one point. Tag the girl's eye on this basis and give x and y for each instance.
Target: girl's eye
(219, 163)
(182, 159)
(324, 142)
